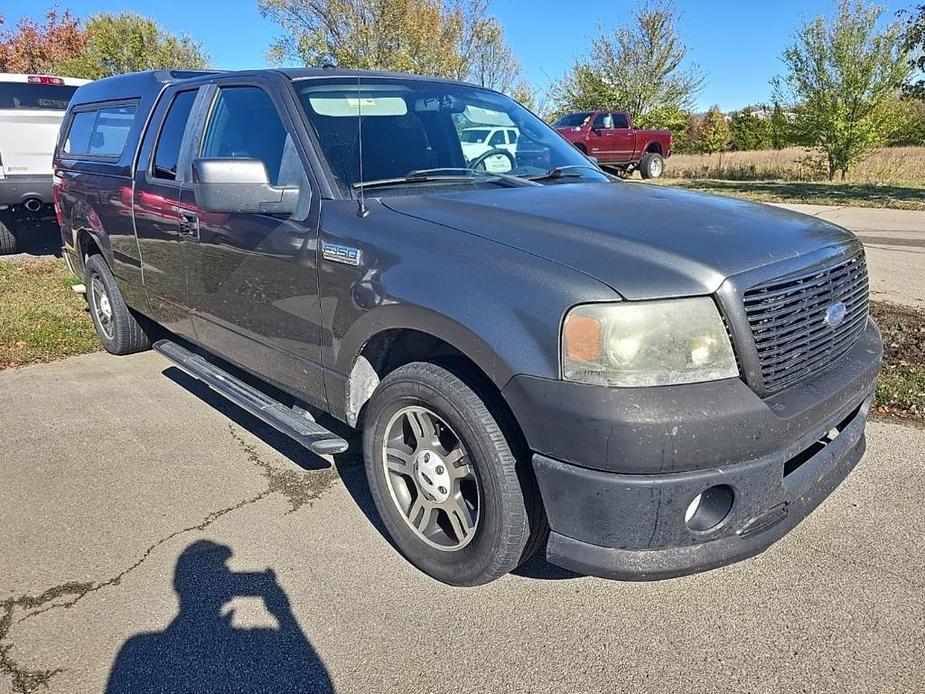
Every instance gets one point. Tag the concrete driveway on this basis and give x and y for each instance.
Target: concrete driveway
(124, 488)
(895, 245)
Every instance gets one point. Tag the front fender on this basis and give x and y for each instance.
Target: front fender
(499, 306)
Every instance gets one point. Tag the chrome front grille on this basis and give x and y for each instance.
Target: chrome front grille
(788, 319)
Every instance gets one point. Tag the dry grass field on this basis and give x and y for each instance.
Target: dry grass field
(897, 165)
(892, 177)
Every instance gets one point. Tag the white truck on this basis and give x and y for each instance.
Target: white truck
(31, 110)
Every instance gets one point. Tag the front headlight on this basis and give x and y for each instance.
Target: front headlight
(646, 343)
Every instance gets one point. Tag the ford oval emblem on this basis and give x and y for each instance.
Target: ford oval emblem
(835, 314)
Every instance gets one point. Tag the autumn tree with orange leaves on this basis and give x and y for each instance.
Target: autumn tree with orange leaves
(40, 46)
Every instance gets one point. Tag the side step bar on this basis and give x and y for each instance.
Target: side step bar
(298, 425)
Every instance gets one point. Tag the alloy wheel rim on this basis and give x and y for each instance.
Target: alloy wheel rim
(656, 168)
(431, 479)
(102, 307)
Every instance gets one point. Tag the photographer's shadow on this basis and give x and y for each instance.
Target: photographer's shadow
(202, 651)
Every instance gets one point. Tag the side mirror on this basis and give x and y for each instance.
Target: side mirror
(239, 186)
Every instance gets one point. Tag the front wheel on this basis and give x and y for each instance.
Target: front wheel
(652, 165)
(444, 478)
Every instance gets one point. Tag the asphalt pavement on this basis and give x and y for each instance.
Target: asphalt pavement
(126, 487)
(156, 538)
(895, 244)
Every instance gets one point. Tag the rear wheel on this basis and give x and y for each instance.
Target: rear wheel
(444, 478)
(652, 165)
(118, 328)
(8, 243)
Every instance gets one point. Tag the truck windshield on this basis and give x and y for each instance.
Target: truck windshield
(46, 97)
(411, 125)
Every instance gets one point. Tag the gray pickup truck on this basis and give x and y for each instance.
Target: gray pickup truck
(644, 382)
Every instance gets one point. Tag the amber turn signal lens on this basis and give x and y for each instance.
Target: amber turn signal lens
(582, 337)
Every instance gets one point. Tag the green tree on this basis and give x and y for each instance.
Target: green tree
(781, 130)
(908, 123)
(915, 44)
(750, 129)
(713, 134)
(841, 76)
(458, 39)
(640, 68)
(128, 42)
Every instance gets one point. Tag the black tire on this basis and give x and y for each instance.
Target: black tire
(652, 165)
(122, 333)
(8, 243)
(509, 528)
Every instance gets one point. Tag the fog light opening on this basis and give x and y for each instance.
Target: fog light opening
(709, 508)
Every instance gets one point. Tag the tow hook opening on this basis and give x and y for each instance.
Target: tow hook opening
(709, 508)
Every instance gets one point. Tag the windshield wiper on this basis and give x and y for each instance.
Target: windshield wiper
(561, 172)
(442, 174)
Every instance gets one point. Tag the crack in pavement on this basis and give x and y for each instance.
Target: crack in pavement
(298, 488)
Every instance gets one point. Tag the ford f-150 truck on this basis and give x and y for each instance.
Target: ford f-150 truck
(609, 137)
(534, 357)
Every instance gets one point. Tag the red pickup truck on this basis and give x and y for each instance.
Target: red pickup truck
(609, 137)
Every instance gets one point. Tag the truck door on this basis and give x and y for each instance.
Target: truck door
(253, 278)
(600, 138)
(624, 138)
(158, 187)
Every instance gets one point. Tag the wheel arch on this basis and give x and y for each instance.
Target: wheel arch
(654, 147)
(393, 336)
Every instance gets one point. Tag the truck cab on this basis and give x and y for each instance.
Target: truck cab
(534, 360)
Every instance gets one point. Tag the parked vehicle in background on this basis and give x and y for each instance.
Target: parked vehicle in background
(609, 137)
(31, 110)
(660, 381)
(476, 141)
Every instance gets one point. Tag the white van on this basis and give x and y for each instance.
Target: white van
(31, 110)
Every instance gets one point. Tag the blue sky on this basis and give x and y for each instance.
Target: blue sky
(736, 42)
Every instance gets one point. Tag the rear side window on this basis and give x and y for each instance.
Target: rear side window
(620, 121)
(245, 124)
(22, 96)
(78, 135)
(167, 152)
(100, 132)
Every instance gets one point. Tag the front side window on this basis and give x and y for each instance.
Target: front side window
(603, 121)
(245, 124)
(167, 152)
(438, 133)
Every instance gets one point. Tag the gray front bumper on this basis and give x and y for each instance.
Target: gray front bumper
(632, 527)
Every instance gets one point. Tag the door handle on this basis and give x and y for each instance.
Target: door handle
(189, 225)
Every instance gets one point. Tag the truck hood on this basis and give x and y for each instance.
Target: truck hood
(644, 241)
